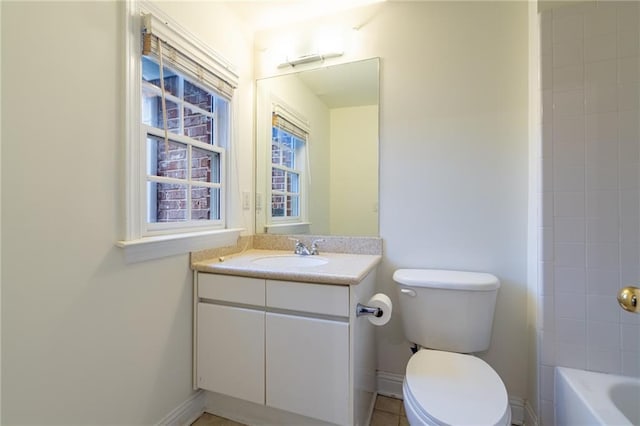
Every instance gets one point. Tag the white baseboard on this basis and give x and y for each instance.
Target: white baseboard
(254, 414)
(517, 410)
(372, 407)
(530, 417)
(390, 384)
(187, 412)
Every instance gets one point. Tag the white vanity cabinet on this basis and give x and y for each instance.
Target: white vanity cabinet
(289, 347)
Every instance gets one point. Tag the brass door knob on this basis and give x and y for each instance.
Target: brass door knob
(628, 299)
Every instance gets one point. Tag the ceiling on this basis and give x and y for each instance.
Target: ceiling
(344, 85)
(265, 14)
(337, 86)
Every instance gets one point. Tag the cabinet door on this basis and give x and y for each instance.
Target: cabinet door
(230, 355)
(307, 361)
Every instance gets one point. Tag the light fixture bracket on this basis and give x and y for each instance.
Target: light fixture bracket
(307, 59)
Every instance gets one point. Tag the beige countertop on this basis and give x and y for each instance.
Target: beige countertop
(341, 268)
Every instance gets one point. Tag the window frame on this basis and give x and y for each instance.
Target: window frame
(300, 223)
(141, 242)
(300, 170)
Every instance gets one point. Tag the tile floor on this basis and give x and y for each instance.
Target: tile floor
(210, 420)
(387, 412)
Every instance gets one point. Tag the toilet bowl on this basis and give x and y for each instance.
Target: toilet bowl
(446, 388)
(451, 314)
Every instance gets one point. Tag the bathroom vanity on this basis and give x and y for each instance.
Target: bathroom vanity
(277, 337)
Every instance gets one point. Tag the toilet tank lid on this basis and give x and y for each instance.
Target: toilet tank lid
(444, 279)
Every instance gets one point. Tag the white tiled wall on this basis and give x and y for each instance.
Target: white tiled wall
(590, 221)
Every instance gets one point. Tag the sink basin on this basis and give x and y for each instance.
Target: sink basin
(291, 261)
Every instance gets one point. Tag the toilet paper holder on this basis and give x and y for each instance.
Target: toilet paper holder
(362, 310)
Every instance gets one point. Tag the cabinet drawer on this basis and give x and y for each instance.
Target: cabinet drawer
(314, 298)
(227, 288)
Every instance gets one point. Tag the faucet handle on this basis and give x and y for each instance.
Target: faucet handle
(314, 245)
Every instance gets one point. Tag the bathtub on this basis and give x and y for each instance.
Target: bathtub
(588, 398)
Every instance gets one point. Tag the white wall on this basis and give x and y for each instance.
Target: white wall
(453, 152)
(453, 160)
(354, 170)
(87, 338)
(590, 190)
(535, 127)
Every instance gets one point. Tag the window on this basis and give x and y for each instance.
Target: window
(179, 106)
(184, 170)
(288, 161)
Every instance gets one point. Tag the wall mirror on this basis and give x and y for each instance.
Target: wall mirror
(317, 151)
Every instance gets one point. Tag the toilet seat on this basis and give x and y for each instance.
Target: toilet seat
(446, 388)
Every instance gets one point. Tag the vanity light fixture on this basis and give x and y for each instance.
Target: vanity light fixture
(306, 59)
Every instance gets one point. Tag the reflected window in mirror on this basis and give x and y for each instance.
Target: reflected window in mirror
(288, 161)
(339, 104)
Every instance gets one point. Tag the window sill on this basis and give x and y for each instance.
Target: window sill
(288, 228)
(149, 248)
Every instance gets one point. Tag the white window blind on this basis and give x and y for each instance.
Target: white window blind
(185, 56)
(290, 122)
(284, 124)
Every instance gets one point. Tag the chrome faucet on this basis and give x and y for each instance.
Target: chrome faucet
(303, 250)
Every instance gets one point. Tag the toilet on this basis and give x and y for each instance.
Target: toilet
(449, 316)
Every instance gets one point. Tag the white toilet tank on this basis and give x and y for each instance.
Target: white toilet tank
(447, 310)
